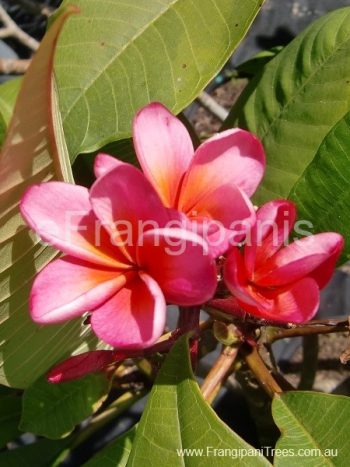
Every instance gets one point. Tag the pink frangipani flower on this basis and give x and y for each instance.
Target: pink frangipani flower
(125, 284)
(211, 184)
(277, 282)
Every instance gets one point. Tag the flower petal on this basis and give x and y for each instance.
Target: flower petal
(181, 263)
(68, 287)
(164, 149)
(229, 305)
(61, 214)
(80, 365)
(104, 163)
(231, 158)
(296, 304)
(274, 222)
(127, 205)
(134, 317)
(314, 254)
(230, 208)
(236, 280)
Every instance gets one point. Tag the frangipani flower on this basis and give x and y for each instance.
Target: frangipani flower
(213, 183)
(277, 282)
(124, 284)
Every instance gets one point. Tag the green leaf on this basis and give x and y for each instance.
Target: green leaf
(312, 421)
(53, 410)
(116, 454)
(300, 96)
(40, 454)
(254, 65)
(322, 192)
(8, 95)
(118, 55)
(10, 414)
(177, 417)
(34, 151)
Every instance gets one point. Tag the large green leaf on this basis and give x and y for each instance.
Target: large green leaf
(118, 55)
(177, 418)
(116, 454)
(53, 410)
(312, 423)
(299, 97)
(322, 192)
(33, 151)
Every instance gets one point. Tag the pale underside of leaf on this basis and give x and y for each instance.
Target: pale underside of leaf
(312, 421)
(32, 152)
(177, 417)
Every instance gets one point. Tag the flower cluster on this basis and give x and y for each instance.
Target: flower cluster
(193, 207)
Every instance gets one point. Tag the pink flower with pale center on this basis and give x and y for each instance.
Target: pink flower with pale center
(277, 282)
(212, 183)
(125, 285)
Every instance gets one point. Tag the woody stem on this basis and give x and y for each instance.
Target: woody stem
(219, 372)
(260, 370)
(274, 334)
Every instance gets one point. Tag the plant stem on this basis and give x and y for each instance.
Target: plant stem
(260, 370)
(9, 66)
(219, 373)
(189, 318)
(274, 334)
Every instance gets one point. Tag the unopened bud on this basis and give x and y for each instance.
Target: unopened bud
(227, 334)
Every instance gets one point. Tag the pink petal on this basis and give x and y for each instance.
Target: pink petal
(274, 222)
(164, 150)
(231, 158)
(315, 254)
(68, 287)
(80, 365)
(181, 263)
(228, 305)
(61, 214)
(105, 163)
(134, 317)
(236, 279)
(296, 304)
(229, 207)
(217, 237)
(127, 205)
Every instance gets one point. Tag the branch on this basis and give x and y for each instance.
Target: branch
(210, 104)
(11, 29)
(13, 66)
(219, 373)
(312, 328)
(260, 370)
